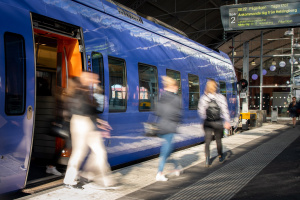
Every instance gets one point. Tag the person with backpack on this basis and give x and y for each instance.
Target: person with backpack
(214, 116)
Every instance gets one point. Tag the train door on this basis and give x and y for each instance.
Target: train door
(17, 88)
(58, 57)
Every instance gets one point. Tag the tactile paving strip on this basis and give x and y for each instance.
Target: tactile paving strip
(230, 179)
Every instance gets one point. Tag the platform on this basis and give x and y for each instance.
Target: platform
(262, 163)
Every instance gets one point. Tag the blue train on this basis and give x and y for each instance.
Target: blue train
(44, 42)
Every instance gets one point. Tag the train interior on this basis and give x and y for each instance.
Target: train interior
(57, 59)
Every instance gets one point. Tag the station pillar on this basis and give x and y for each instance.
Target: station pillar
(246, 77)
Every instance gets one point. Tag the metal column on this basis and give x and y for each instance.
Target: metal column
(292, 64)
(246, 77)
(232, 52)
(261, 71)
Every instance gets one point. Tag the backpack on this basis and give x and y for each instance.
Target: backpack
(213, 111)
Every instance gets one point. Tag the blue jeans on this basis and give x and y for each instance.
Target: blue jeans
(165, 151)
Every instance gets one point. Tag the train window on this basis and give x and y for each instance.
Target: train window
(194, 91)
(117, 85)
(148, 87)
(175, 75)
(15, 74)
(223, 88)
(234, 88)
(98, 68)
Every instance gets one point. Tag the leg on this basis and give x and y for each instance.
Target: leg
(294, 121)
(218, 137)
(208, 138)
(79, 148)
(165, 150)
(100, 163)
(170, 137)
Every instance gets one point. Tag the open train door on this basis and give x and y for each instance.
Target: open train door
(17, 89)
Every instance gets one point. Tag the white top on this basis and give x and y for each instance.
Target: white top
(220, 100)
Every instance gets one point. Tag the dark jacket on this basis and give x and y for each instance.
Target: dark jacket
(168, 110)
(293, 109)
(82, 102)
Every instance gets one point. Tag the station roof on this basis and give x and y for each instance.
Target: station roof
(200, 20)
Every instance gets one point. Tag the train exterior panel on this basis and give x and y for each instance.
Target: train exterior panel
(111, 36)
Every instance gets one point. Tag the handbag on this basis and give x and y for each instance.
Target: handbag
(151, 129)
(60, 129)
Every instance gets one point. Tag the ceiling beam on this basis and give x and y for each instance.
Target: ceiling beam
(253, 38)
(138, 3)
(173, 15)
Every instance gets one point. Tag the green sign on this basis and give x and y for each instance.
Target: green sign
(271, 14)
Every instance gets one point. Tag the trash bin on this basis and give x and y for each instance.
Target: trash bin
(274, 114)
(253, 119)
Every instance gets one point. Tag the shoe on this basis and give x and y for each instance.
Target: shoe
(207, 162)
(53, 170)
(161, 177)
(178, 171)
(221, 158)
(77, 186)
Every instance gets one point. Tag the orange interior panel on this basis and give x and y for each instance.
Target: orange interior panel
(72, 50)
(74, 63)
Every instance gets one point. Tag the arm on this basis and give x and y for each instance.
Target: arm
(202, 106)
(225, 112)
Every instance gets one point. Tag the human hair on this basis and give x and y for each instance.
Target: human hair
(168, 81)
(211, 86)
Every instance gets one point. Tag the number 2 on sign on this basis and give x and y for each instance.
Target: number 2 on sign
(232, 20)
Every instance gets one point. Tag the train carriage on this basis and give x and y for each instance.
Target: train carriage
(45, 42)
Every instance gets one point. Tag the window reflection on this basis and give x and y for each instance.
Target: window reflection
(194, 91)
(15, 74)
(118, 85)
(148, 87)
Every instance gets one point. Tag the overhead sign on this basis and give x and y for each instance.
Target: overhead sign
(271, 14)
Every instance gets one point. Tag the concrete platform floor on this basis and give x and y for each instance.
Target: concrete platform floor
(261, 163)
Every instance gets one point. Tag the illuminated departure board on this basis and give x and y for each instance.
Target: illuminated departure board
(271, 14)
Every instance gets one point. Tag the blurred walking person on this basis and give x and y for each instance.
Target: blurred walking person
(293, 110)
(84, 133)
(214, 116)
(168, 110)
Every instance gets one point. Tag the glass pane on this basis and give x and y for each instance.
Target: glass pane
(98, 68)
(281, 100)
(194, 93)
(15, 74)
(222, 88)
(117, 85)
(175, 75)
(148, 87)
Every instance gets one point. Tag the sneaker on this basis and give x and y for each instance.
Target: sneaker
(161, 177)
(178, 170)
(52, 170)
(77, 186)
(207, 162)
(221, 158)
